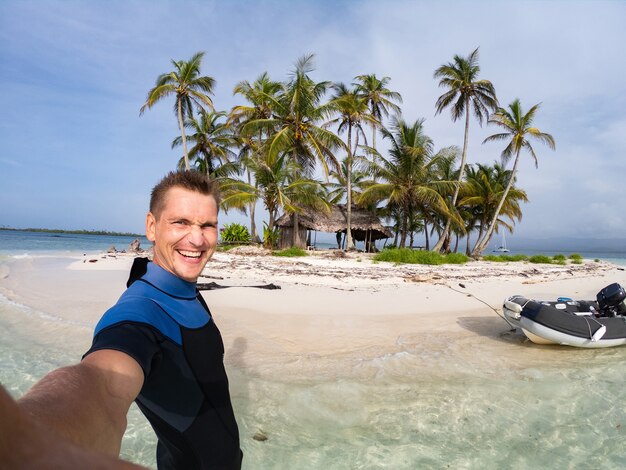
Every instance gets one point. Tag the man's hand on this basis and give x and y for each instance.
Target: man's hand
(26, 444)
(87, 403)
(75, 417)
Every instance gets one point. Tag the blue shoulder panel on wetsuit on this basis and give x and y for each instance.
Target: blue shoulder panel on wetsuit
(161, 300)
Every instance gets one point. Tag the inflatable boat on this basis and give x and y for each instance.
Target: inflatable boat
(579, 323)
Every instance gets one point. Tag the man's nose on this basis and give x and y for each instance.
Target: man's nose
(195, 235)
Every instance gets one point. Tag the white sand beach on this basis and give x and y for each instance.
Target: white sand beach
(335, 305)
(329, 304)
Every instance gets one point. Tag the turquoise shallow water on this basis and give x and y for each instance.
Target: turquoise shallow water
(481, 400)
(535, 418)
(476, 403)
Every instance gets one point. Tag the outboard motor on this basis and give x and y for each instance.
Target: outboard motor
(611, 300)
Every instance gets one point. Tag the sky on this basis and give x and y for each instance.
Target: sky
(76, 154)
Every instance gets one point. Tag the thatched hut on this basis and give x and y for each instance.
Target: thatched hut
(365, 226)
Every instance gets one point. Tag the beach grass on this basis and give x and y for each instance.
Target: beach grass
(505, 258)
(292, 252)
(541, 259)
(576, 258)
(225, 247)
(409, 256)
(558, 259)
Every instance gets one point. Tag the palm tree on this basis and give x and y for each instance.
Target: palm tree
(189, 88)
(481, 193)
(405, 180)
(517, 129)
(339, 180)
(212, 141)
(445, 169)
(379, 98)
(278, 185)
(465, 92)
(298, 119)
(260, 95)
(296, 126)
(353, 113)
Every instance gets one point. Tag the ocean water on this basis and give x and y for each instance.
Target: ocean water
(22, 242)
(484, 399)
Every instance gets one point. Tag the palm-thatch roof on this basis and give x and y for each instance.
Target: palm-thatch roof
(364, 225)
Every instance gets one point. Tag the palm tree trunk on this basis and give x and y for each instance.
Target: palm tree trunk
(482, 244)
(296, 242)
(481, 230)
(374, 136)
(374, 140)
(374, 156)
(403, 232)
(295, 239)
(272, 220)
(253, 230)
(182, 134)
(252, 211)
(270, 228)
(349, 242)
(446, 230)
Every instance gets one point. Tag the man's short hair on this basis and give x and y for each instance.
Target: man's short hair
(190, 179)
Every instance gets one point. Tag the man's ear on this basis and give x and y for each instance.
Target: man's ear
(150, 226)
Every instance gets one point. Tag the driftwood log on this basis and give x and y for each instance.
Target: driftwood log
(214, 285)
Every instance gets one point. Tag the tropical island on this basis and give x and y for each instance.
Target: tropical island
(307, 147)
(73, 232)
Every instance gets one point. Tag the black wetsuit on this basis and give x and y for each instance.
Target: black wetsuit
(163, 323)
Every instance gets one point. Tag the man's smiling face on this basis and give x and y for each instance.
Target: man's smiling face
(184, 233)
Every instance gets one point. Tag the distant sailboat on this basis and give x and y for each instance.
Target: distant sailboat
(502, 248)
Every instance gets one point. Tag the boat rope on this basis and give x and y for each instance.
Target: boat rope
(591, 334)
(469, 294)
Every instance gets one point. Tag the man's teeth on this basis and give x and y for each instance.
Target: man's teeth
(191, 254)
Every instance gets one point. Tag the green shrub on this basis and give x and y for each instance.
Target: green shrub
(225, 247)
(270, 237)
(505, 258)
(408, 256)
(236, 233)
(558, 257)
(575, 256)
(540, 259)
(290, 252)
(455, 258)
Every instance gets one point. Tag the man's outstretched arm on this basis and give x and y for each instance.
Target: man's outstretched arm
(87, 403)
